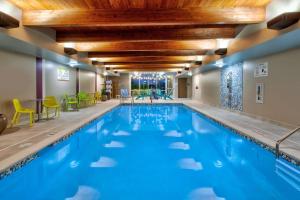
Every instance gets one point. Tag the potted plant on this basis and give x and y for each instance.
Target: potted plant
(3, 122)
(103, 95)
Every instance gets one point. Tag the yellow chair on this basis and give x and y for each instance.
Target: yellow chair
(97, 96)
(50, 102)
(20, 110)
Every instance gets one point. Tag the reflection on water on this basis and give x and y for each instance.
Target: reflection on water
(114, 144)
(85, 193)
(190, 163)
(104, 162)
(179, 145)
(173, 134)
(121, 133)
(204, 193)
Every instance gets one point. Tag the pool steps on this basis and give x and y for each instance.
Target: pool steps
(288, 173)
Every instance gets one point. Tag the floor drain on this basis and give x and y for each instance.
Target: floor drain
(25, 145)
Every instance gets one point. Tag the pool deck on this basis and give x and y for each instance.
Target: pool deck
(25, 141)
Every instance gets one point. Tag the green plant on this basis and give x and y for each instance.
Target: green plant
(103, 92)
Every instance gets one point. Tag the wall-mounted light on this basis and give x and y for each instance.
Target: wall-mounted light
(221, 52)
(179, 72)
(283, 21)
(73, 63)
(107, 68)
(69, 48)
(95, 62)
(115, 71)
(7, 21)
(219, 63)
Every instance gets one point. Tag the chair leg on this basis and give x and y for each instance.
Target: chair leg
(30, 119)
(18, 118)
(47, 113)
(14, 120)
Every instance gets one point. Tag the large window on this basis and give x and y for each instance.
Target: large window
(145, 81)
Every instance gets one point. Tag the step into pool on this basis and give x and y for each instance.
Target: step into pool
(153, 152)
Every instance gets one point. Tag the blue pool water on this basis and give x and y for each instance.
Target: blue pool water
(153, 152)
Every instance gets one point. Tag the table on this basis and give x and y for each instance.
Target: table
(39, 108)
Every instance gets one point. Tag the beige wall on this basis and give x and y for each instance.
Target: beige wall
(17, 80)
(208, 84)
(100, 82)
(87, 81)
(281, 88)
(54, 87)
(125, 82)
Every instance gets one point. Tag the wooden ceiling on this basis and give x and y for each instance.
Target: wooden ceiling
(143, 34)
(133, 4)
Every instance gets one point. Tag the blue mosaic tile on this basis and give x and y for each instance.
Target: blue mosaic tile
(231, 90)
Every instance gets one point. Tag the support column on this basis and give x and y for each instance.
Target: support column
(77, 80)
(96, 82)
(39, 81)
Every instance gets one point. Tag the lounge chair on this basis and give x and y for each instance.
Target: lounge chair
(124, 94)
(168, 94)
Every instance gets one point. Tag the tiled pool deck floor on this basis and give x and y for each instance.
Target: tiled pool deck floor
(26, 141)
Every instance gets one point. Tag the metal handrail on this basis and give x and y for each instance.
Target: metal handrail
(283, 138)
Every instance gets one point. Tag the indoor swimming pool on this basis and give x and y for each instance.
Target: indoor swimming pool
(153, 152)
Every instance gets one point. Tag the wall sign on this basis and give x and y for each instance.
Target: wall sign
(259, 93)
(261, 70)
(63, 74)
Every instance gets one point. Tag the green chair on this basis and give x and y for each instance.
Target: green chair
(83, 99)
(50, 102)
(70, 102)
(21, 110)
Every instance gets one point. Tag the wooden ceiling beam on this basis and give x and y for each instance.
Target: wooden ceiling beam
(148, 70)
(148, 62)
(149, 45)
(145, 35)
(146, 66)
(145, 53)
(146, 59)
(143, 17)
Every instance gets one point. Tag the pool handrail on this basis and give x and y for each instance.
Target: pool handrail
(278, 142)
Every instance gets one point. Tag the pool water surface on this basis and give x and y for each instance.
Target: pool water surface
(153, 152)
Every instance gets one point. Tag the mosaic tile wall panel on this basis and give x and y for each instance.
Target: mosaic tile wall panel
(232, 87)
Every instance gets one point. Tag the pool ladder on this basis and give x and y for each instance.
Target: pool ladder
(278, 142)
